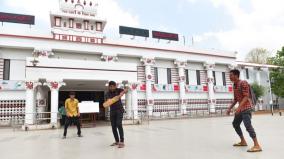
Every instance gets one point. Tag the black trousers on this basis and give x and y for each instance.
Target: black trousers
(246, 118)
(69, 121)
(116, 117)
(62, 120)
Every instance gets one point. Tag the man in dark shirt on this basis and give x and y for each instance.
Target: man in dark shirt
(116, 113)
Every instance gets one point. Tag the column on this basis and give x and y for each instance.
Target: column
(181, 69)
(270, 91)
(210, 81)
(134, 100)
(148, 62)
(54, 87)
(30, 108)
(128, 104)
(258, 81)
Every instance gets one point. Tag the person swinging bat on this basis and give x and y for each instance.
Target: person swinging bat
(113, 100)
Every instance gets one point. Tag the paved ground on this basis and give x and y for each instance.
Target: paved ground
(173, 139)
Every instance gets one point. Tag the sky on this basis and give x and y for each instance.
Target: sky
(229, 25)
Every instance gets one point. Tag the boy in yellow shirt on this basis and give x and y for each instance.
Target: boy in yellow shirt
(72, 114)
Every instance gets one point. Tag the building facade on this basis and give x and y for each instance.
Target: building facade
(36, 72)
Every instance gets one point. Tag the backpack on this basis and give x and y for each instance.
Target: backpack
(252, 97)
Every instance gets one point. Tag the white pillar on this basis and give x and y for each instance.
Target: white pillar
(242, 73)
(181, 67)
(134, 101)
(54, 87)
(54, 106)
(128, 104)
(270, 91)
(258, 76)
(149, 77)
(211, 94)
(258, 81)
(30, 108)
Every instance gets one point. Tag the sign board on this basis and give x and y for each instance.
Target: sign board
(89, 107)
(164, 35)
(17, 18)
(133, 31)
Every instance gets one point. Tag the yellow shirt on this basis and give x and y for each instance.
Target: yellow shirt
(71, 107)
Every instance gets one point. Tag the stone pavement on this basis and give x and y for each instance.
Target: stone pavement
(210, 138)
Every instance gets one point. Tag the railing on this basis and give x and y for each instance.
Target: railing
(38, 118)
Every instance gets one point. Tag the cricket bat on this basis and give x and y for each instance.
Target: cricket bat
(109, 102)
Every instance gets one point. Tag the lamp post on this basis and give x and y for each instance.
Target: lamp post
(271, 82)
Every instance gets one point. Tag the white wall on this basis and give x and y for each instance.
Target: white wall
(165, 95)
(162, 76)
(224, 95)
(192, 77)
(17, 69)
(16, 54)
(12, 95)
(197, 95)
(195, 66)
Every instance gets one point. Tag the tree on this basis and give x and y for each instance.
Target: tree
(277, 74)
(258, 90)
(258, 55)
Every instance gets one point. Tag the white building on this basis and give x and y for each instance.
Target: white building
(36, 72)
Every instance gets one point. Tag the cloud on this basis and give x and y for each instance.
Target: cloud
(261, 26)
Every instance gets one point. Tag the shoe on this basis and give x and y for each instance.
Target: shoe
(80, 135)
(64, 137)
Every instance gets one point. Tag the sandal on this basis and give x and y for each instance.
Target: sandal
(114, 144)
(240, 144)
(121, 145)
(255, 149)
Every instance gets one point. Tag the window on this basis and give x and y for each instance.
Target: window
(99, 26)
(247, 73)
(186, 77)
(219, 78)
(78, 25)
(224, 78)
(169, 76)
(92, 27)
(6, 73)
(214, 77)
(198, 77)
(156, 75)
(57, 21)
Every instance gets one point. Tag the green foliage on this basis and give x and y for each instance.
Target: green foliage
(258, 90)
(277, 74)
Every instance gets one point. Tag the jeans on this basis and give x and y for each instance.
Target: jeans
(116, 117)
(69, 121)
(246, 118)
